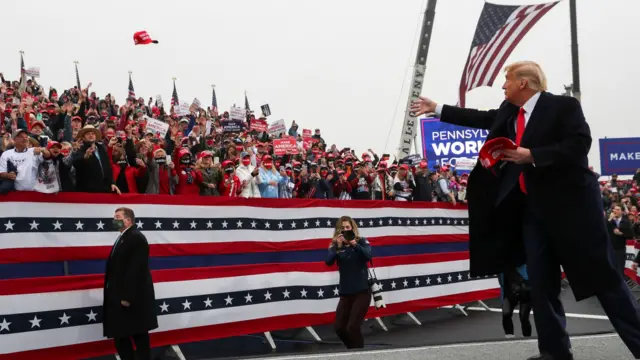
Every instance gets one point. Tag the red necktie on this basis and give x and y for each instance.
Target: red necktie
(519, 133)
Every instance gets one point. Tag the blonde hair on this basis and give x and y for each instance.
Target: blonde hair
(200, 164)
(338, 230)
(536, 80)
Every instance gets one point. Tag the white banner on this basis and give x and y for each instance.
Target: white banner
(277, 127)
(237, 113)
(33, 72)
(157, 126)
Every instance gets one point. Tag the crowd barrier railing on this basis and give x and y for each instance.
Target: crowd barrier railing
(221, 267)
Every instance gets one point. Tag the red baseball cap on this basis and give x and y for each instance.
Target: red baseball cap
(142, 38)
(491, 152)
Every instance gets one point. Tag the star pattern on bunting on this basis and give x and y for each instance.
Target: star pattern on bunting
(75, 225)
(70, 317)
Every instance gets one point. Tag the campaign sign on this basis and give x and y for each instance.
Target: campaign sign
(285, 146)
(619, 156)
(446, 144)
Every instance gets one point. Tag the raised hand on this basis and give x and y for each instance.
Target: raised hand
(422, 106)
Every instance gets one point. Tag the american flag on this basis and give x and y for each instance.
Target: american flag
(22, 69)
(499, 30)
(221, 267)
(23, 76)
(78, 77)
(132, 92)
(214, 100)
(174, 97)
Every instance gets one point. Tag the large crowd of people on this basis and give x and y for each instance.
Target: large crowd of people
(75, 141)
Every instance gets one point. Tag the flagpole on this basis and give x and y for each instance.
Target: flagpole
(77, 75)
(410, 124)
(575, 66)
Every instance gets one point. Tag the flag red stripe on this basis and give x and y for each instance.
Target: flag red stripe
(46, 254)
(515, 43)
(185, 200)
(105, 347)
(84, 282)
(491, 49)
(521, 17)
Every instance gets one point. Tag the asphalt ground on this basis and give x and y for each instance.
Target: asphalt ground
(445, 333)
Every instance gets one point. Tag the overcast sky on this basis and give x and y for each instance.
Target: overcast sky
(336, 65)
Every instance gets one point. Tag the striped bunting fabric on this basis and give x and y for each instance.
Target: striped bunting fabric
(222, 267)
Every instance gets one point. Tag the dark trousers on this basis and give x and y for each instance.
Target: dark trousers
(544, 277)
(124, 346)
(620, 257)
(508, 305)
(349, 317)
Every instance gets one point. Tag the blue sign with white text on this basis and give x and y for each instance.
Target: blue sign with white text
(619, 156)
(446, 144)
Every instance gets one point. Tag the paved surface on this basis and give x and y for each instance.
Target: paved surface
(586, 348)
(444, 334)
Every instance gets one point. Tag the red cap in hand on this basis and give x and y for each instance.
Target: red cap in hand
(491, 152)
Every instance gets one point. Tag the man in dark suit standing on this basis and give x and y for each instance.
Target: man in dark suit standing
(91, 161)
(619, 232)
(517, 216)
(129, 298)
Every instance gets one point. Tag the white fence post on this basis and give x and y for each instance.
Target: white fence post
(270, 340)
(178, 352)
(313, 333)
(414, 318)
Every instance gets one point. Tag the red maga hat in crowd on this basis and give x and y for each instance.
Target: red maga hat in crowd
(491, 152)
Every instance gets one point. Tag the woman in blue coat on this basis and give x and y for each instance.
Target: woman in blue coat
(352, 253)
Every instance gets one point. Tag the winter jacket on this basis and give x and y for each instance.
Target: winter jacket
(352, 266)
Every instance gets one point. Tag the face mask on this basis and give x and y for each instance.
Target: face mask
(348, 234)
(117, 224)
(323, 173)
(288, 172)
(246, 162)
(161, 160)
(210, 142)
(228, 170)
(122, 162)
(268, 166)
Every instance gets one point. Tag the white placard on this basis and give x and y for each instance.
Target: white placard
(183, 109)
(196, 103)
(237, 113)
(465, 164)
(157, 126)
(33, 72)
(277, 127)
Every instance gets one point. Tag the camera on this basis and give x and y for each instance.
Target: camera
(378, 301)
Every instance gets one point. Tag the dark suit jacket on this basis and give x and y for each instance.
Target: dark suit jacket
(128, 278)
(93, 175)
(619, 242)
(562, 192)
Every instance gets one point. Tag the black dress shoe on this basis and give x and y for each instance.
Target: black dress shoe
(551, 357)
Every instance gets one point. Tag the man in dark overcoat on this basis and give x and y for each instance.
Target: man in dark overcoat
(129, 299)
(541, 205)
